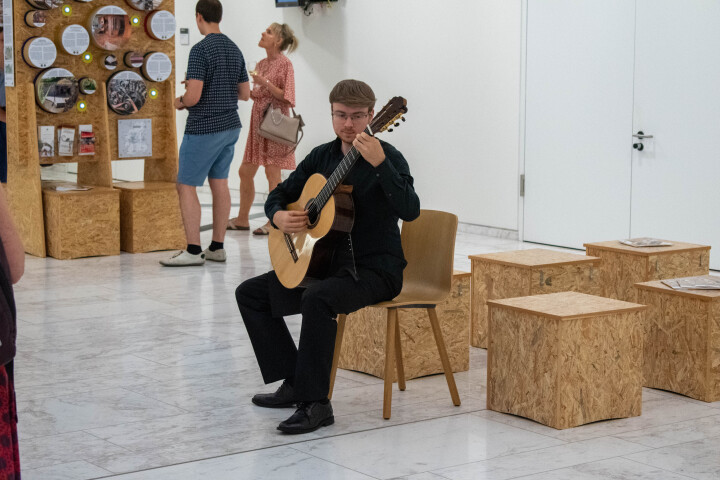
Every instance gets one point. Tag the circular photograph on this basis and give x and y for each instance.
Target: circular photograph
(134, 59)
(126, 92)
(36, 18)
(56, 90)
(158, 67)
(110, 27)
(110, 62)
(75, 39)
(160, 25)
(39, 52)
(45, 4)
(88, 86)
(145, 5)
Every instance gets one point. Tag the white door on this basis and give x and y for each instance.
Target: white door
(675, 178)
(578, 120)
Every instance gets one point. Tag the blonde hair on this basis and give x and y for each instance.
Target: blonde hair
(289, 42)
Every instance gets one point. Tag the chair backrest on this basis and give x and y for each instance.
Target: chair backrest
(429, 247)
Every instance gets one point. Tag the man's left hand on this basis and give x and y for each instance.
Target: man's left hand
(178, 104)
(370, 148)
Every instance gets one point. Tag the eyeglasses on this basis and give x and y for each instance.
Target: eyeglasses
(355, 117)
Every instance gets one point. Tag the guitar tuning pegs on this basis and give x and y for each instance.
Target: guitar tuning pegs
(402, 118)
(397, 124)
(390, 129)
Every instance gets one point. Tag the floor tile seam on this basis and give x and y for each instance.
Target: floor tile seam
(673, 445)
(55, 465)
(659, 468)
(71, 394)
(336, 464)
(616, 434)
(531, 431)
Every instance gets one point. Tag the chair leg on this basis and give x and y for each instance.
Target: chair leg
(389, 359)
(443, 355)
(399, 357)
(336, 354)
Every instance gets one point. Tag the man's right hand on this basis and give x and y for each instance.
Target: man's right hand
(291, 221)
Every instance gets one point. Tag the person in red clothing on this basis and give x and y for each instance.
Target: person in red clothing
(12, 266)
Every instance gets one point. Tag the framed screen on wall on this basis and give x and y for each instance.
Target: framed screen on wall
(289, 3)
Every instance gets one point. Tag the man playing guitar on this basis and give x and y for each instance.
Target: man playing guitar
(366, 267)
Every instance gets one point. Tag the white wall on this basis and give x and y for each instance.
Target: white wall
(457, 63)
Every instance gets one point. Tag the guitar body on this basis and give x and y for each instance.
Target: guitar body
(299, 258)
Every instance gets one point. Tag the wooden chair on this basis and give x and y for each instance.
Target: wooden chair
(429, 246)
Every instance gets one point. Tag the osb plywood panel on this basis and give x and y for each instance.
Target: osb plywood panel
(565, 373)
(100, 172)
(615, 245)
(363, 347)
(495, 280)
(659, 286)
(567, 305)
(679, 352)
(566, 278)
(491, 281)
(714, 352)
(534, 257)
(687, 263)
(23, 187)
(150, 217)
(82, 224)
(619, 272)
(621, 269)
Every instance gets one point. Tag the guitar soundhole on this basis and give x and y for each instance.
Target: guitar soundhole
(313, 213)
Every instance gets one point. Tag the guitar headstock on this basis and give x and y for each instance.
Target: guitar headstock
(389, 115)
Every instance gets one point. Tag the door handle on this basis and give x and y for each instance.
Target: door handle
(641, 135)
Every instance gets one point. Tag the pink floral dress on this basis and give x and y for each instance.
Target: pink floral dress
(259, 150)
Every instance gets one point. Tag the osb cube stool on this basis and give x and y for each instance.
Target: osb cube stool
(525, 272)
(81, 223)
(565, 359)
(363, 345)
(623, 266)
(682, 340)
(150, 217)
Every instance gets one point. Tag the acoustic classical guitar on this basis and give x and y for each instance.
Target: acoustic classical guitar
(299, 258)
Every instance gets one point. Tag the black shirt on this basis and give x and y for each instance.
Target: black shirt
(381, 195)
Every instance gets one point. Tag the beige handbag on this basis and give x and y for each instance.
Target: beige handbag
(280, 128)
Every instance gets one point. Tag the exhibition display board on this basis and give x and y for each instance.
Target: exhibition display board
(83, 94)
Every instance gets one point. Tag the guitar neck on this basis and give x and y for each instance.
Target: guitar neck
(338, 175)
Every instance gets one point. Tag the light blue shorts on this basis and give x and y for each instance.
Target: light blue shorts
(206, 156)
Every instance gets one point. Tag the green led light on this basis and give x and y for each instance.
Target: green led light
(135, 20)
(81, 106)
(154, 93)
(87, 57)
(67, 10)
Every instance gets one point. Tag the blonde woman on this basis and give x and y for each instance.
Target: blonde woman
(273, 83)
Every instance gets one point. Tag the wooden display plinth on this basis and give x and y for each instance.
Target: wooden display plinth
(565, 359)
(682, 340)
(363, 347)
(525, 272)
(623, 266)
(81, 223)
(150, 217)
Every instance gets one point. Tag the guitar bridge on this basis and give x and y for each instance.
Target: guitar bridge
(291, 247)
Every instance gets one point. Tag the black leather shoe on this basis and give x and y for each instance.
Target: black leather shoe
(308, 417)
(283, 397)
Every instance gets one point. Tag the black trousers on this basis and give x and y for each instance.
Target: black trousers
(263, 303)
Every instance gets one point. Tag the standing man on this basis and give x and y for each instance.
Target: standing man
(369, 268)
(216, 79)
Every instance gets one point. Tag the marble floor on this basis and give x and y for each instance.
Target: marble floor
(133, 371)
